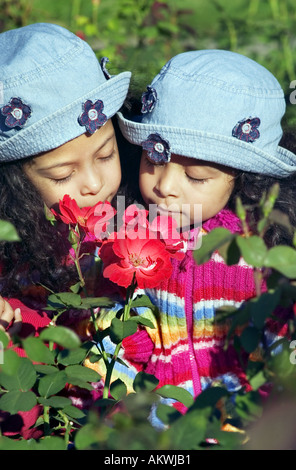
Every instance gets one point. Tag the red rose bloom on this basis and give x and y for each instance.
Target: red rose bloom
(70, 213)
(92, 219)
(147, 259)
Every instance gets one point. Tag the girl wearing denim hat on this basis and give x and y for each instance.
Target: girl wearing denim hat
(209, 131)
(57, 137)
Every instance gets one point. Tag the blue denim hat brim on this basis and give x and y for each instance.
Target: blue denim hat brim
(52, 75)
(62, 126)
(213, 148)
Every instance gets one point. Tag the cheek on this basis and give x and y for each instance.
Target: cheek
(145, 185)
(114, 176)
(51, 196)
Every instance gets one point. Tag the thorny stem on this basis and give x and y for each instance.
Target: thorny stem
(76, 259)
(125, 316)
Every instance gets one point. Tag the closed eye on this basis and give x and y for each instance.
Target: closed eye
(62, 180)
(197, 180)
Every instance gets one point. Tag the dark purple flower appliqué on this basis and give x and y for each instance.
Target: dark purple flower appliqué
(149, 99)
(247, 129)
(92, 117)
(157, 148)
(16, 113)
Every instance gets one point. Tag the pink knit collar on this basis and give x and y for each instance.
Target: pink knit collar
(225, 218)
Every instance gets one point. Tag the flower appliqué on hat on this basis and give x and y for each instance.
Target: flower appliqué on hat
(16, 112)
(247, 129)
(92, 117)
(149, 99)
(157, 148)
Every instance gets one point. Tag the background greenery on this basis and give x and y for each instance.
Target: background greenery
(141, 35)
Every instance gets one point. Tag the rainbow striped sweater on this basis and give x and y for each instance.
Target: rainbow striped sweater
(187, 346)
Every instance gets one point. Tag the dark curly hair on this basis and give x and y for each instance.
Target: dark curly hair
(251, 186)
(38, 256)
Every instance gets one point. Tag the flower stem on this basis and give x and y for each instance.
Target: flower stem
(126, 315)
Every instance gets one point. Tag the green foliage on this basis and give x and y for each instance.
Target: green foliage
(8, 232)
(142, 35)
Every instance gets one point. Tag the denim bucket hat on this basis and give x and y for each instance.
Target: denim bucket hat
(53, 89)
(217, 106)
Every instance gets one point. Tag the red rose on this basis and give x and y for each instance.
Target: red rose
(91, 219)
(70, 213)
(147, 259)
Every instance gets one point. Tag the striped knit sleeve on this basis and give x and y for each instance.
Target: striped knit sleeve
(134, 354)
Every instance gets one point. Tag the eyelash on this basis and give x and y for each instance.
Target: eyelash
(195, 180)
(67, 178)
(192, 180)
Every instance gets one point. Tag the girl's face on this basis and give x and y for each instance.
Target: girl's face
(87, 168)
(179, 186)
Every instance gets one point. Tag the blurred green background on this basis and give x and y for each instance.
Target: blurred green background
(141, 35)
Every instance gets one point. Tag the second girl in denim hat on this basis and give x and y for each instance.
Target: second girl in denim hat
(209, 131)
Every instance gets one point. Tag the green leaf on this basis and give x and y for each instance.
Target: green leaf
(141, 301)
(45, 369)
(212, 242)
(250, 338)
(82, 373)
(49, 443)
(37, 351)
(68, 299)
(88, 435)
(189, 431)
(209, 397)
(52, 384)
(68, 357)
(74, 412)
(55, 401)
(11, 444)
(61, 335)
(121, 329)
(247, 406)
(145, 382)
(283, 259)
(262, 307)
(4, 339)
(8, 232)
(96, 302)
(118, 389)
(167, 414)
(16, 401)
(177, 393)
(258, 380)
(11, 362)
(142, 321)
(230, 253)
(253, 250)
(23, 379)
(76, 287)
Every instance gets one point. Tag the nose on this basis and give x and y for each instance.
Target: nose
(168, 181)
(92, 182)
